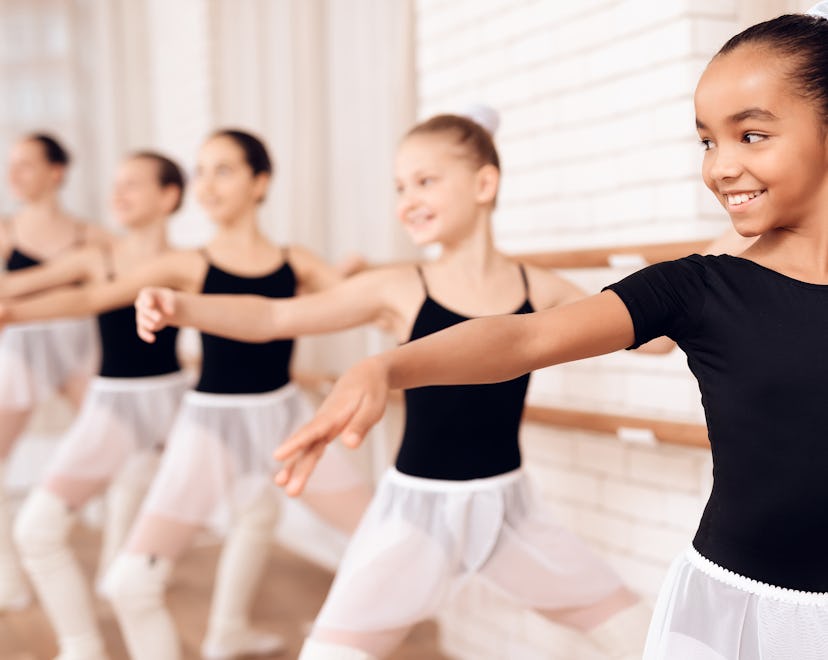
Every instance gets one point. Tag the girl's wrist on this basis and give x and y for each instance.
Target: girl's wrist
(179, 307)
(383, 367)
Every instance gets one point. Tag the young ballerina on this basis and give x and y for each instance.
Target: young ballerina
(37, 360)
(126, 414)
(217, 462)
(457, 502)
(754, 584)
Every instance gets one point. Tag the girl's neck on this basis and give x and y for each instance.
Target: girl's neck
(148, 239)
(242, 232)
(44, 213)
(793, 252)
(475, 253)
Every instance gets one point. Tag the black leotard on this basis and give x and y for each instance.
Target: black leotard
(123, 353)
(757, 342)
(235, 367)
(461, 432)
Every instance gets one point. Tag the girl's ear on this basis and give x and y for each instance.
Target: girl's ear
(488, 181)
(58, 175)
(170, 197)
(260, 185)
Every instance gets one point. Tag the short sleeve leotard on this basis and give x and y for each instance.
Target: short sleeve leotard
(757, 342)
(460, 432)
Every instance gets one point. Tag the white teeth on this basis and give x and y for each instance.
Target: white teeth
(741, 198)
(418, 219)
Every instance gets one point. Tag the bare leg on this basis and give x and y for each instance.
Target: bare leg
(616, 624)
(74, 389)
(589, 617)
(343, 509)
(12, 423)
(123, 500)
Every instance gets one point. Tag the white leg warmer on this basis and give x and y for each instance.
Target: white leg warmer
(622, 636)
(135, 585)
(41, 532)
(313, 649)
(14, 592)
(240, 569)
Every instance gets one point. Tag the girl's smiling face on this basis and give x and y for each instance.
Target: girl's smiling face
(766, 145)
(225, 185)
(137, 195)
(439, 188)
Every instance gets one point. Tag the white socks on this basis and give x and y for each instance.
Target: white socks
(41, 530)
(243, 559)
(14, 592)
(313, 649)
(622, 636)
(135, 585)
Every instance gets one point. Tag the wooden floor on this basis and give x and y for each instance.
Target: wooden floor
(291, 594)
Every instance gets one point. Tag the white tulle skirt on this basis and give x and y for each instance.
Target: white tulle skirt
(219, 456)
(705, 612)
(421, 538)
(120, 418)
(37, 359)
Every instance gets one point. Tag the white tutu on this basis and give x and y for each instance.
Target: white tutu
(120, 418)
(705, 612)
(37, 359)
(219, 455)
(421, 538)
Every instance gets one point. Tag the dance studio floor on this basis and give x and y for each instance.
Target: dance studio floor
(291, 595)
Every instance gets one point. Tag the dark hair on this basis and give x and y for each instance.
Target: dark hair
(468, 133)
(803, 39)
(169, 173)
(54, 151)
(255, 152)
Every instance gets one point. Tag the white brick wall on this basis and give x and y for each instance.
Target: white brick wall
(598, 148)
(597, 130)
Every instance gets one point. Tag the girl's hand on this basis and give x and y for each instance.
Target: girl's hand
(154, 311)
(355, 404)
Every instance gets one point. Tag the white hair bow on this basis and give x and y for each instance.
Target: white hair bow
(819, 9)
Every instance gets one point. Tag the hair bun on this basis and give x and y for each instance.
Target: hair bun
(819, 9)
(486, 115)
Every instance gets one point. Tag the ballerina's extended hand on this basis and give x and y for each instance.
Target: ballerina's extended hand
(355, 404)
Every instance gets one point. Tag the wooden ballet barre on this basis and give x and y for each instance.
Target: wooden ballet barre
(665, 431)
(602, 257)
